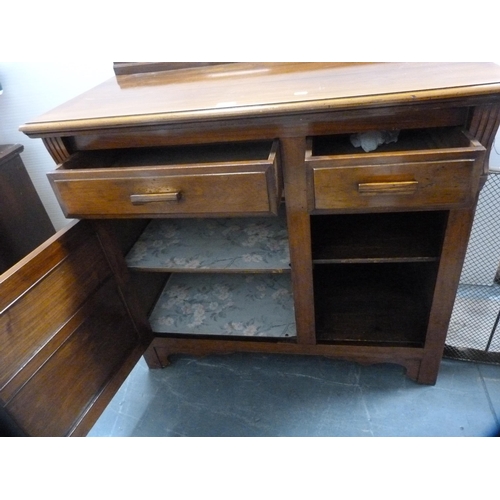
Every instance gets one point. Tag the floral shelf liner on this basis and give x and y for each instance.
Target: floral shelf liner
(229, 244)
(256, 305)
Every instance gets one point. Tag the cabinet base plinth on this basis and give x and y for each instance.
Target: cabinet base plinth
(160, 350)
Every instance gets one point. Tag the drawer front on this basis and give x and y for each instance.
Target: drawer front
(238, 188)
(158, 193)
(408, 185)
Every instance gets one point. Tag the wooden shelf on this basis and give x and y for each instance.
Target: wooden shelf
(213, 245)
(378, 238)
(230, 305)
(230, 276)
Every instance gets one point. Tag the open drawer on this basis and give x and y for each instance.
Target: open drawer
(431, 168)
(202, 180)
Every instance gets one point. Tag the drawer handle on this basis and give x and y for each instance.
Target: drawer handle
(141, 199)
(388, 188)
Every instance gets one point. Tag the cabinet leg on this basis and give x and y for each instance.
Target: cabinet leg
(422, 371)
(152, 359)
(412, 370)
(429, 369)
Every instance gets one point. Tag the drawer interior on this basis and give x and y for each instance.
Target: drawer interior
(408, 140)
(218, 153)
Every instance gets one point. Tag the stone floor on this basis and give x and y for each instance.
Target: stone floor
(275, 395)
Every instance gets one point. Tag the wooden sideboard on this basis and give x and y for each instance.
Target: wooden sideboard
(228, 208)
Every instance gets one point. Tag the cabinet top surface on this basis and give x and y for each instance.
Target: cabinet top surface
(242, 90)
(8, 151)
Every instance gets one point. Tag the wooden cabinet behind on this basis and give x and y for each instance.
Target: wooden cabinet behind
(24, 222)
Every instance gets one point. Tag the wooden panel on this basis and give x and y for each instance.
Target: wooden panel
(66, 335)
(24, 223)
(452, 258)
(258, 128)
(60, 287)
(161, 348)
(60, 392)
(299, 231)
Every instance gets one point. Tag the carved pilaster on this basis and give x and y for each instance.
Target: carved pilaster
(483, 126)
(57, 149)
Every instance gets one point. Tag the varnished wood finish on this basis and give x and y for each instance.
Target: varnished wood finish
(67, 337)
(293, 153)
(484, 124)
(409, 357)
(449, 113)
(24, 222)
(214, 181)
(246, 89)
(362, 238)
(427, 188)
(452, 258)
(404, 186)
(442, 176)
(133, 68)
(57, 149)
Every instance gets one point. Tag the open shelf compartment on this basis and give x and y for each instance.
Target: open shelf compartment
(378, 237)
(257, 244)
(385, 304)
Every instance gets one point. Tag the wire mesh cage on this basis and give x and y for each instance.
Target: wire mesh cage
(474, 331)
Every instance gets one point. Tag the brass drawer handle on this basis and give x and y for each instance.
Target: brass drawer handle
(141, 199)
(388, 188)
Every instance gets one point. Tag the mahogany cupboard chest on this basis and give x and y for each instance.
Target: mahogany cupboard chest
(319, 209)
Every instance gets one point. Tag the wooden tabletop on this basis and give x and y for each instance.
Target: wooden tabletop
(247, 89)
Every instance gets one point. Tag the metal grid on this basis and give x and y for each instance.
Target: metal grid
(474, 331)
